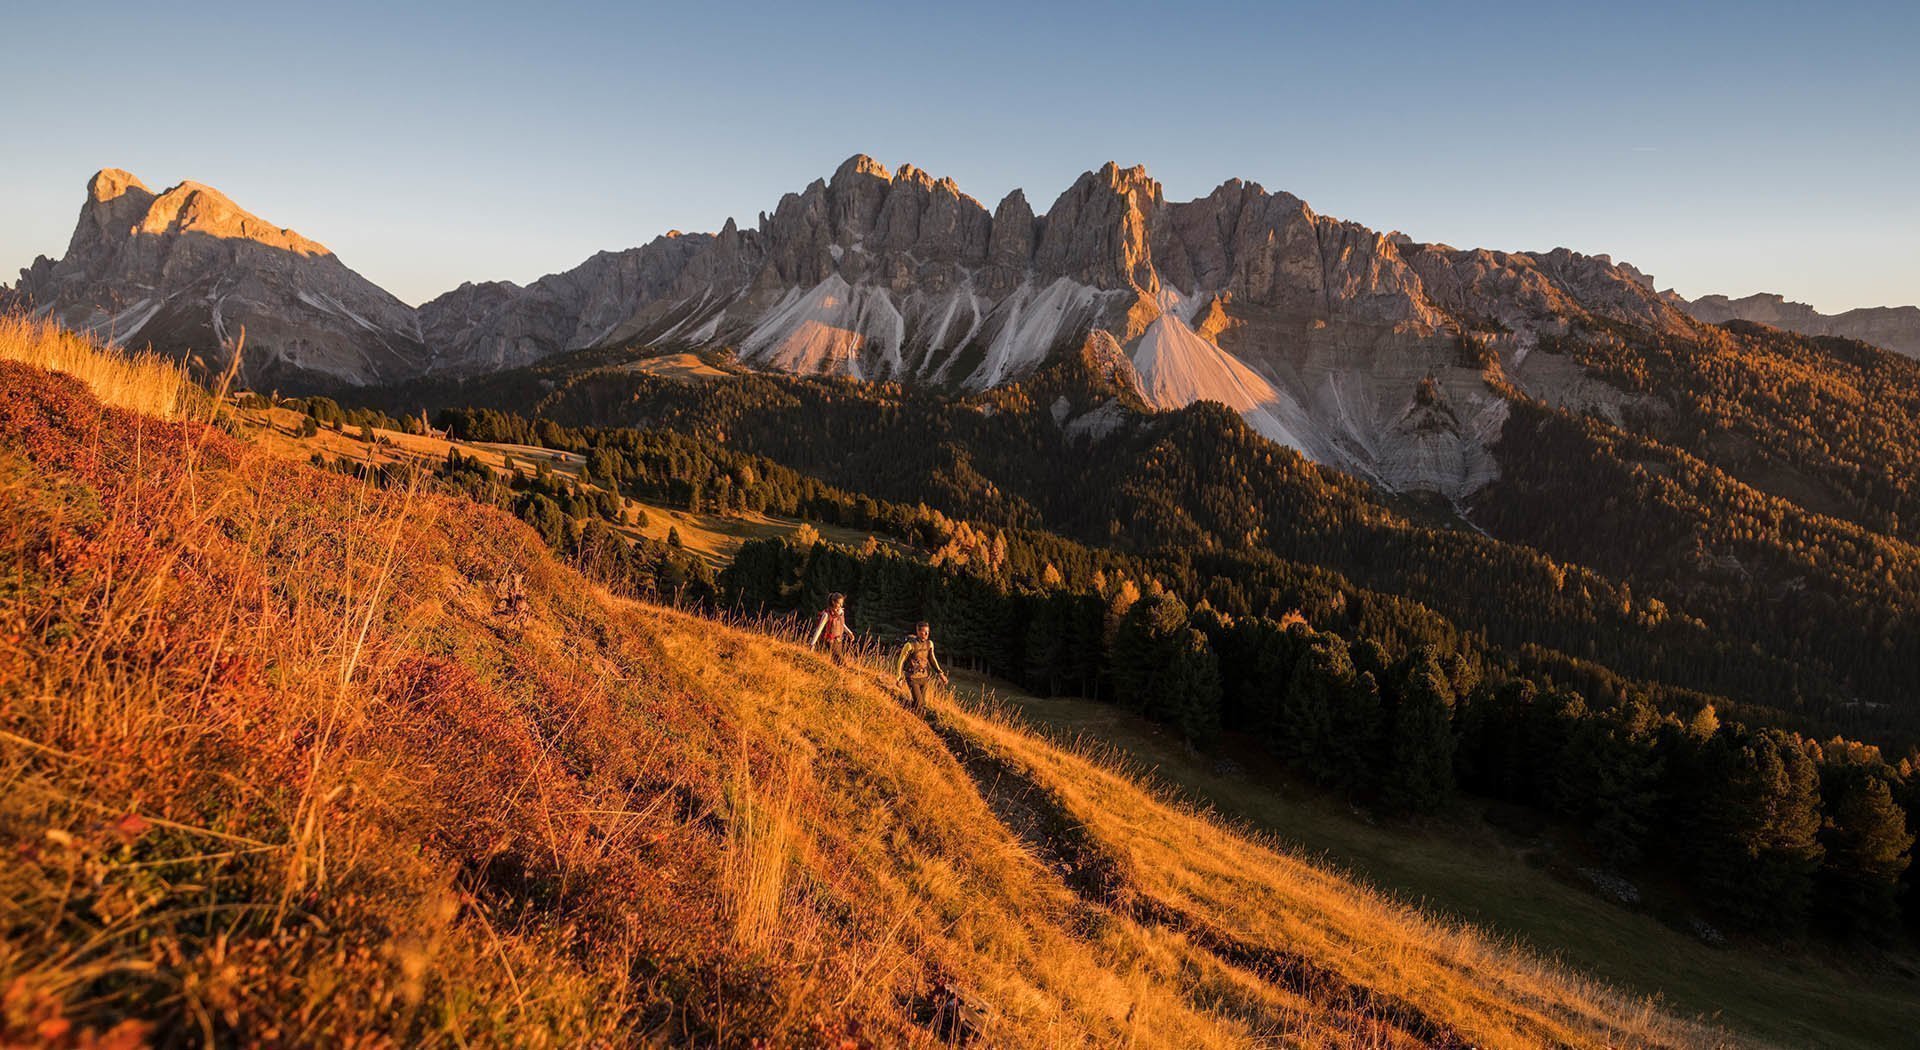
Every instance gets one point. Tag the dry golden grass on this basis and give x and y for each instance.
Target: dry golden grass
(760, 841)
(1193, 866)
(685, 367)
(142, 382)
(887, 820)
(273, 772)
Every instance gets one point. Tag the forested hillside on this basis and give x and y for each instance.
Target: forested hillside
(1372, 695)
(1828, 423)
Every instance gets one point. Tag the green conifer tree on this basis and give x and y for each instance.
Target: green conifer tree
(1867, 848)
(1417, 774)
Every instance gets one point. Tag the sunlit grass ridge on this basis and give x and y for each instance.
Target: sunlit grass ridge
(140, 382)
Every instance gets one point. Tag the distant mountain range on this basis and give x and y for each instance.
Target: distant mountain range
(1895, 328)
(1366, 351)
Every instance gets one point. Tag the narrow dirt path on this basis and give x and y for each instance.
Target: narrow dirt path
(1043, 823)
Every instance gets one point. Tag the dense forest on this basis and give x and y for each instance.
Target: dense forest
(1831, 424)
(1771, 830)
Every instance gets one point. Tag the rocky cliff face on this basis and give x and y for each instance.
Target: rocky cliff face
(1895, 328)
(185, 270)
(1326, 335)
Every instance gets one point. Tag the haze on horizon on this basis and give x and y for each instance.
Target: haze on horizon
(1728, 148)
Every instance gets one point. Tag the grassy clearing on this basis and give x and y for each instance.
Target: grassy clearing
(343, 804)
(1268, 898)
(687, 367)
(1461, 866)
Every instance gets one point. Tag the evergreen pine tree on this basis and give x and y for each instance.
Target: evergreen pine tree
(1320, 682)
(973, 621)
(1608, 782)
(1906, 794)
(1086, 650)
(548, 520)
(1190, 688)
(1756, 850)
(752, 580)
(1048, 637)
(1867, 847)
(1145, 642)
(1354, 746)
(1417, 774)
(1546, 726)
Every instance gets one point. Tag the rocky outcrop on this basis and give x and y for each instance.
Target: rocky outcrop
(1097, 232)
(185, 270)
(1010, 245)
(1516, 291)
(1895, 328)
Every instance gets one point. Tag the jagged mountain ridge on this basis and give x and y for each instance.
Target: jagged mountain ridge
(1328, 336)
(1896, 328)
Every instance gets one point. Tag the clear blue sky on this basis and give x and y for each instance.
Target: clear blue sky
(1730, 147)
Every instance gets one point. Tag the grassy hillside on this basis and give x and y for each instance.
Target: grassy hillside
(275, 767)
(1503, 882)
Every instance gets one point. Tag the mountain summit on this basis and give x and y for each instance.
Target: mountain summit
(187, 269)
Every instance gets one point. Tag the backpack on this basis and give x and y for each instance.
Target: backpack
(918, 662)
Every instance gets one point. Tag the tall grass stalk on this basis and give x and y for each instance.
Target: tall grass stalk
(760, 847)
(141, 382)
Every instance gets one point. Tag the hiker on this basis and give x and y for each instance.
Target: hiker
(917, 664)
(510, 597)
(832, 628)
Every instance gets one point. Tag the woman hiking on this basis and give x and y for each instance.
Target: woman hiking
(832, 628)
(917, 665)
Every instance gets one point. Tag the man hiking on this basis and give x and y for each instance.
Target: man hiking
(832, 628)
(917, 664)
